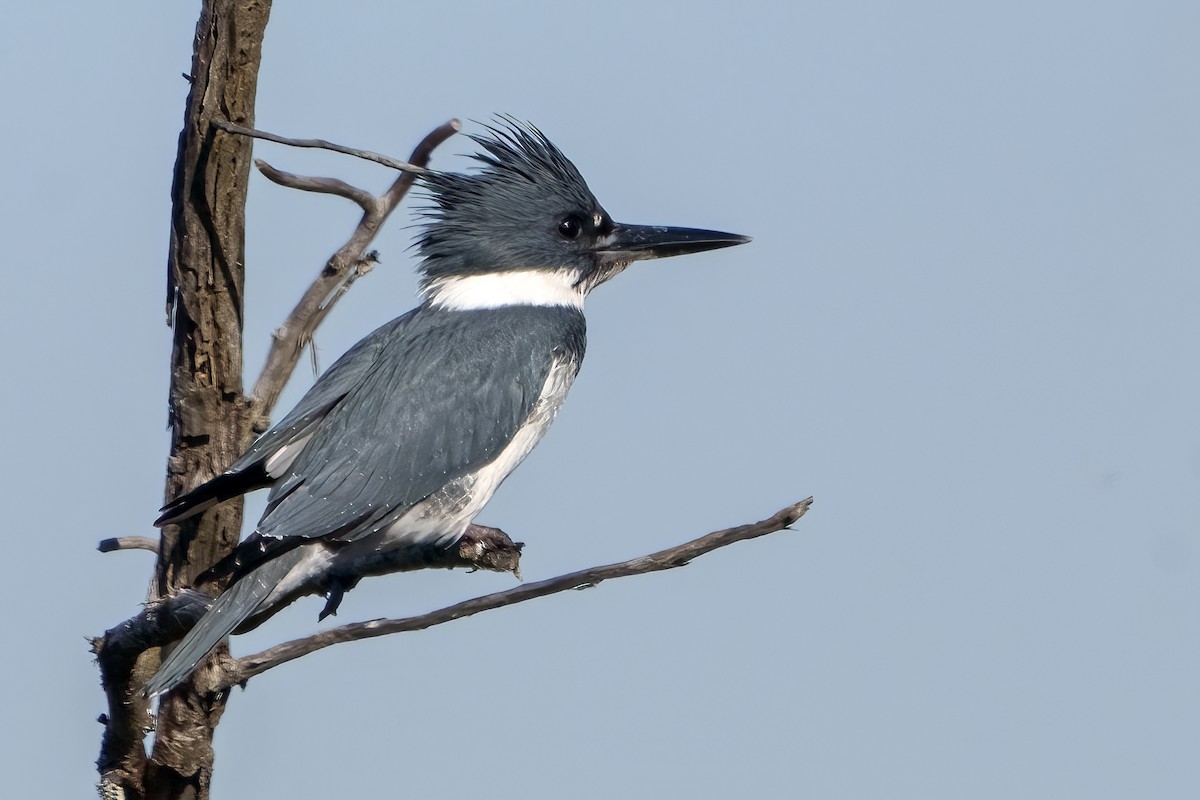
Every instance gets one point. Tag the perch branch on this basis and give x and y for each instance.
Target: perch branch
(320, 144)
(480, 547)
(168, 619)
(343, 267)
(242, 669)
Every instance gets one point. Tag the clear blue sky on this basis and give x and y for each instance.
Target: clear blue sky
(967, 324)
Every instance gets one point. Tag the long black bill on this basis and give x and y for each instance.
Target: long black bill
(656, 241)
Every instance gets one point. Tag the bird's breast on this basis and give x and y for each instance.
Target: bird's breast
(444, 515)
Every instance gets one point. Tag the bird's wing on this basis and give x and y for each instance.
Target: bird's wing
(334, 384)
(442, 398)
(272, 453)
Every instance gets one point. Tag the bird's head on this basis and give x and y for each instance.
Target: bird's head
(526, 228)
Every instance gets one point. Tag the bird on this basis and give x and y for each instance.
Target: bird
(402, 441)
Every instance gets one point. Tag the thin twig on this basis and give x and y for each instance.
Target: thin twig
(420, 155)
(362, 197)
(320, 144)
(347, 264)
(242, 669)
(128, 543)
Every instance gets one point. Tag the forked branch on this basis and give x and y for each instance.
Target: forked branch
(350, 262)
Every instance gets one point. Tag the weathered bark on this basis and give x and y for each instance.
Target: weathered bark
(209, 417)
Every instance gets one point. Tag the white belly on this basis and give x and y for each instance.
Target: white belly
(444, 516)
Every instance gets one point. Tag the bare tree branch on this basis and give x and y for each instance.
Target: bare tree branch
(362, 197)
(347, 264)
(320, 144)
(128, 543)
(479, 548)
(242, 669)
(420, 155)
(127, 657)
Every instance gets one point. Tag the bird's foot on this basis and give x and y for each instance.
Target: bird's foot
(333, 599)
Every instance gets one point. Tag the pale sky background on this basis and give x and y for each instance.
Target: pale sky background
(969, 324)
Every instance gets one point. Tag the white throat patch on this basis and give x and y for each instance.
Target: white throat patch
(526, 287)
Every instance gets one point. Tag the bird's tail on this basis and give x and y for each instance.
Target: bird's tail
(228, 611)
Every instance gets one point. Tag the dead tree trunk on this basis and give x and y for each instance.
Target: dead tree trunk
(210, 420)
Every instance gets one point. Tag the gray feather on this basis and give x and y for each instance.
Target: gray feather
(416, 380)
(485, 221)
(432, 373)
(334, 384)
(224, 615)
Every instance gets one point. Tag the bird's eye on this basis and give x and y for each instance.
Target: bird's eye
(569, 227)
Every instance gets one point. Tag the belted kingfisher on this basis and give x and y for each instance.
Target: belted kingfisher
(404, 439)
